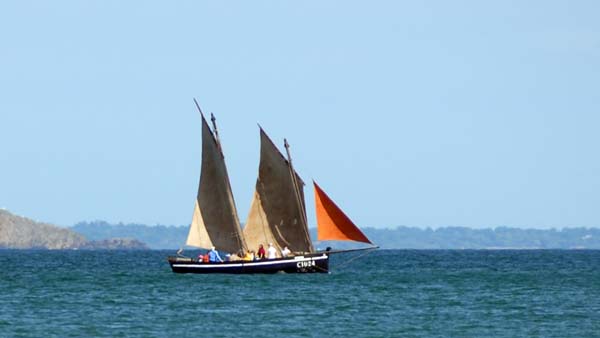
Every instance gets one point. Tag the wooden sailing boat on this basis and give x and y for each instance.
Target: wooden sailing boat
(277, 215)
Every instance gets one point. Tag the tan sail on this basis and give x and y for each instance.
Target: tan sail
(215, 221)
(198, 235)
(277, 214)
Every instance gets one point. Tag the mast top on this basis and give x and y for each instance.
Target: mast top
(287, 150)
(214, 123)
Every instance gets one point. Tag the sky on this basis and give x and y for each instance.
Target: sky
(421, 113)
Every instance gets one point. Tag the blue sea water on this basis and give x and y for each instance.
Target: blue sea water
(387, 293)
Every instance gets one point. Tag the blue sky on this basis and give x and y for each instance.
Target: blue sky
(424, 113)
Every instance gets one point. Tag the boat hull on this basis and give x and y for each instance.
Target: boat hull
(312, 263)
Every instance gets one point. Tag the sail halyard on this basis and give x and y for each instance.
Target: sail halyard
(275, 215)
(333, 224)
(215, 221)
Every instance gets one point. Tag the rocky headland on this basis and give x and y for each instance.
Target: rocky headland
(18, 232)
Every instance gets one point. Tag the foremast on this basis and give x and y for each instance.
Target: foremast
(215, 220)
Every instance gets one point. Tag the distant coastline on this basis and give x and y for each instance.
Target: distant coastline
(17, 232)
(402, 237)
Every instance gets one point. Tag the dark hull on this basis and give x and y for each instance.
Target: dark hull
(318, 262)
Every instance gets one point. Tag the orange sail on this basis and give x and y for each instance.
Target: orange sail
(333, 224)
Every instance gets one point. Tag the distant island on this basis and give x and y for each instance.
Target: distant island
(401, 237)
(17, 232)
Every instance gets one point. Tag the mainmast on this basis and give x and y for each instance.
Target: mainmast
(299, 198)
(277, 213)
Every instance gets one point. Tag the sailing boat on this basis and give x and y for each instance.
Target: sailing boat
(277, 215)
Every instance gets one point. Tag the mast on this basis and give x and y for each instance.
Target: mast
(299, 200)
(214, 123)
(277, 213)
(238, 234)
(215, 221)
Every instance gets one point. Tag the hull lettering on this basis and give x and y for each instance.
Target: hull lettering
(305, 264)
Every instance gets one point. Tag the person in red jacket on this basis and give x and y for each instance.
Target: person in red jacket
(261, 252)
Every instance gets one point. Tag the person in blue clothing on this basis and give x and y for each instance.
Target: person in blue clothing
(213, 256)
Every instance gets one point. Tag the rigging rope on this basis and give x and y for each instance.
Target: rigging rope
(353, 259)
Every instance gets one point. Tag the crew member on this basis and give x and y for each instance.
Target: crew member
(261, 252)
(271, 252)
(213, 256)
(285, 252)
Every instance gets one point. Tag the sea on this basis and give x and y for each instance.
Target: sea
(383, 293)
